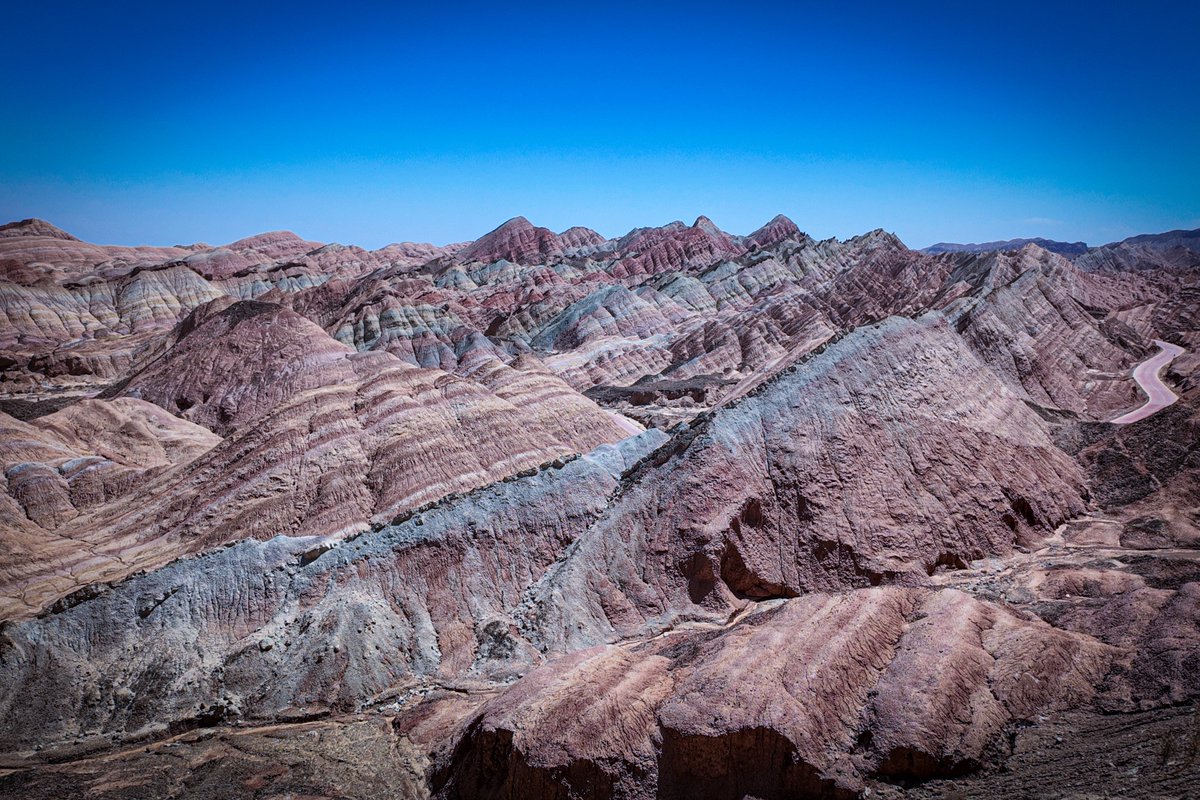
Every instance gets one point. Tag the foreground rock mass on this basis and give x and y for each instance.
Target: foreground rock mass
(805, 698)
(678, 514)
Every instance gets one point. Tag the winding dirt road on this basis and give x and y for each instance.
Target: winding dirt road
(1147, 375)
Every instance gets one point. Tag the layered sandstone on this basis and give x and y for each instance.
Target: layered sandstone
(318, 440)
(807, 698)
(320, 508)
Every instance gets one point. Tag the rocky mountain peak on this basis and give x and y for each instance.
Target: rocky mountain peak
(779, 229)
(517, 241)
(579, 236)
(35, 227)
(708, 226)
(878, 238)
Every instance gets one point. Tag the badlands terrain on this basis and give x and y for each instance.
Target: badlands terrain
(681, 514)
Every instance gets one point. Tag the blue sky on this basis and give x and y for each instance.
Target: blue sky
(158, 123)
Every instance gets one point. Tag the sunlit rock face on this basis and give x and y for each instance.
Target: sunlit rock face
(786, 694)
(315, 439)
(679, 513)
(430, 595)
(892, 453)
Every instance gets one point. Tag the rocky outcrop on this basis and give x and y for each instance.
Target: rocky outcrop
(804, 699)
(53, 314)
(1033, 331)
(1149, 464)
(60, 467)
(234, 362)
(84, 336)
(128, 431)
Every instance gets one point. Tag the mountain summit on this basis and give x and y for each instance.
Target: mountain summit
(518, 241)
(34, 227)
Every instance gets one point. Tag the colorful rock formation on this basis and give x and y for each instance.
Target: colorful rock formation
(681, 513)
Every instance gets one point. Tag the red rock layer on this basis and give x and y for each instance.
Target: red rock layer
(892, 453)
(517, 241)
(805, 699)
(319, 441)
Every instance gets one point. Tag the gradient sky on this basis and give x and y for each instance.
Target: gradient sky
(172, 122)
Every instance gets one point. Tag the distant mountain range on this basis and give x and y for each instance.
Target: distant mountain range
(1069, 249)
(1189, 239)
(1158, 241)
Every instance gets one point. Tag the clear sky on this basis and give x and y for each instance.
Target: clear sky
(166, 122)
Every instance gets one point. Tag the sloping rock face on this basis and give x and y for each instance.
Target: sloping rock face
(892, 453)
(59, 468)
(91, 334)
(806, 698)
(318, 440)
(326, 631)
(232, 365)
(293, 625)
(128, 431)
(1038, 334)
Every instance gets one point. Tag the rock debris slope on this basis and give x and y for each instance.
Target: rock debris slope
(681, 513)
